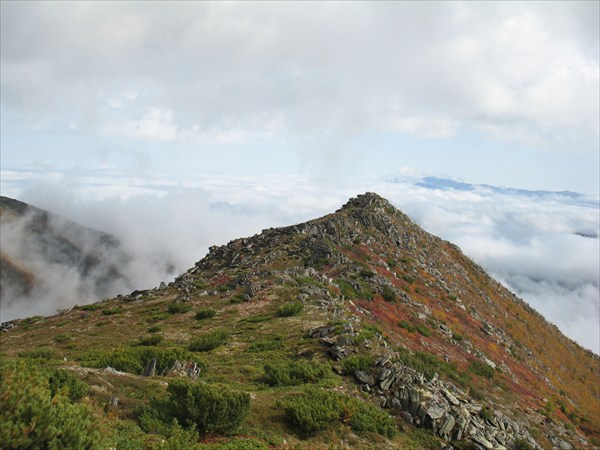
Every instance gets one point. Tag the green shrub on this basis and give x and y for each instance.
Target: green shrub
(256, 319)
(408, 279)
(237, 444)
(315, 410)
(522, 444)
(153, 339)
(265, 346)
(40, 353)
(200, 284)
(366, 417)
(293, 373)
(482, 369)
(423, 439)
(290, 309)
(407, 326)
(63, 337)
(429, 364)
(476, 394)
(388, 294)
(181, 438)
(312, 411)
(349, 290)
(356, 362)
(368, 332)
(423, 329)
(366, 273)
(33, 417)
(136, 359)
(464, 445)
(156, 317)
(211, 408)
(485, 413)
(126, 436)
(30, 320)
(92, 307)
(153, 329)
(205, 313)
(62, 380)
(111, 311)
(179, 308)
(209, 341)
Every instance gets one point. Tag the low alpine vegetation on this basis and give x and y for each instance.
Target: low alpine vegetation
(39, 409)
(293, 373)
(205, 313)
(179, 308)
(208, 408)
(209, 341)
(290, 309)
(136, 359)
(316, 410)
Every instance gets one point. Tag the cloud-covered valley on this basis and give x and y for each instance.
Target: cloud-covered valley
(543, 246)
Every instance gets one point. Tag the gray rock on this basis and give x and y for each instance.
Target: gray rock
(344, 341)
(446, 428)
(478, 438)
(150, 370)
(462, 422)
(413, 400)
(564, 445)
(451, 398)
(396, 404)
(406, 417)
(320, 331)
(435, 412)
(364, 377)
(338, 353)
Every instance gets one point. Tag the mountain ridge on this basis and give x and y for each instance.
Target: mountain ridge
(452, 351)
(37, 244)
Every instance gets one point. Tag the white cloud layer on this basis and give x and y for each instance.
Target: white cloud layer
(544, 247)
(525, 72)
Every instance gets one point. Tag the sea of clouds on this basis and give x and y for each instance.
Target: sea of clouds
(543, 246)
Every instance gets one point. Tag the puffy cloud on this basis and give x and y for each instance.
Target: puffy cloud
(525, 72)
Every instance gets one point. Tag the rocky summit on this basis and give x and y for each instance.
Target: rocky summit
(355, 330)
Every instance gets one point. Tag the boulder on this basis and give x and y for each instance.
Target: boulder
(150, 370)
(364, 378)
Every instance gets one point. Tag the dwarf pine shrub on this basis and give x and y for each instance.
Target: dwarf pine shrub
(388, 294)
(136, 359)
(179, 308)
(33, 415)
(315, 410)
(209, 341)
(210, 408)
(290, 309)
(293, 373)
(353, 363)
(205, 313)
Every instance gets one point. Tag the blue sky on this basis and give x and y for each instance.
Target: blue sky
(235, 116)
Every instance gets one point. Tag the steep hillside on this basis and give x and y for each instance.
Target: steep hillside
(355, 330)
(44, 255)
